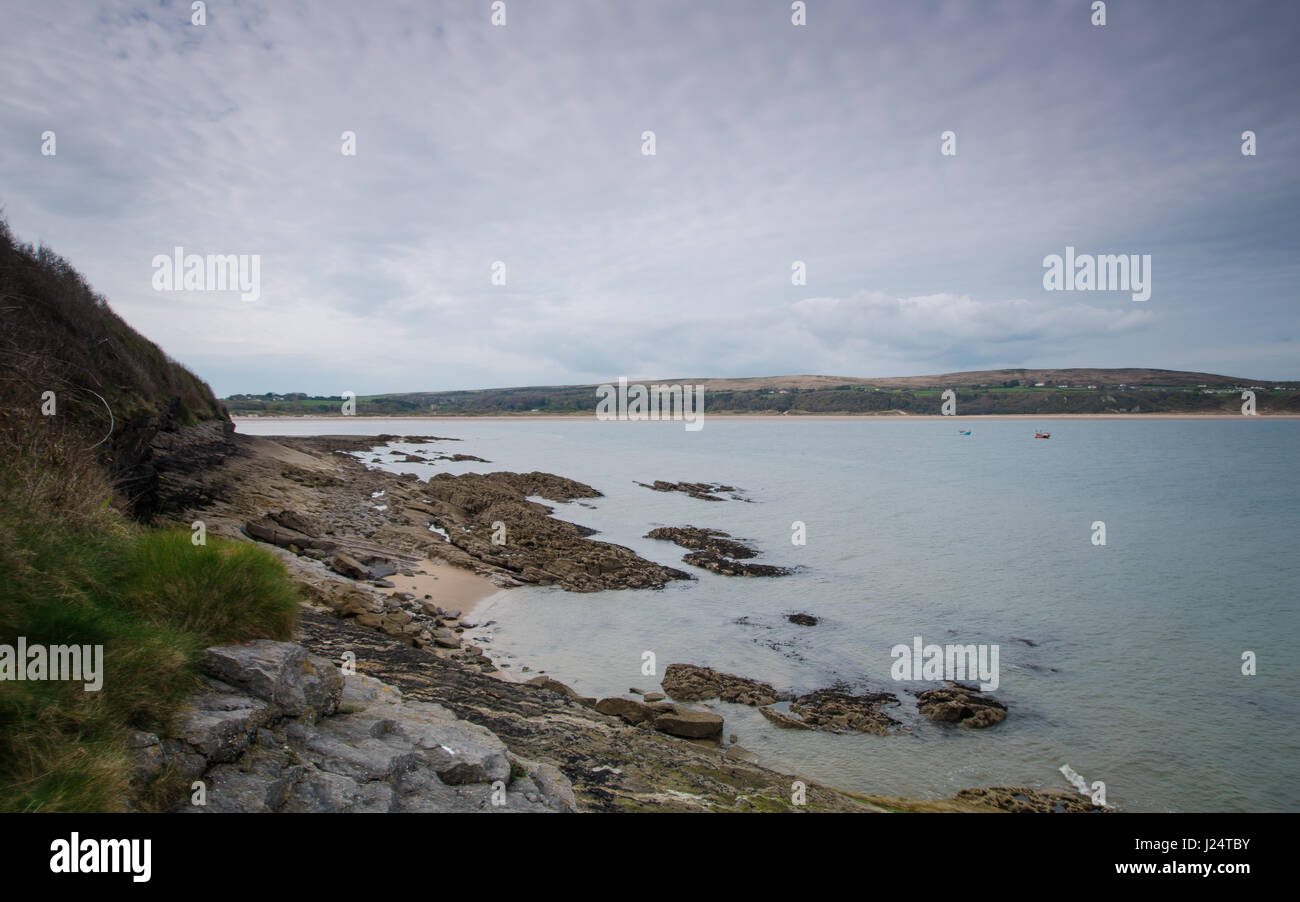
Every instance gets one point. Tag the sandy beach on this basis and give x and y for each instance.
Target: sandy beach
(792, 417)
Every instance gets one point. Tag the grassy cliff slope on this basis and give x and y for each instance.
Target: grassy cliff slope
(77, 567)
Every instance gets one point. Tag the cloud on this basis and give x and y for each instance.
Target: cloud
(939, 321)
(775, 144)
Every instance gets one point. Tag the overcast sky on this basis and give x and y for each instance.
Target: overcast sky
(775, 143)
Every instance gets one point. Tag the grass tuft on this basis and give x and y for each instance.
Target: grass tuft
(83, 575)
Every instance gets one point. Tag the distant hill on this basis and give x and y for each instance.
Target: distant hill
(1076, 378)
(1010, 391)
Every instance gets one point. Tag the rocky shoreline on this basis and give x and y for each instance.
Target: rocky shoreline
(342, 529)
(715, 550)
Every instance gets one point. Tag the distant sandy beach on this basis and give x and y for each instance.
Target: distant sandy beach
(544, 418)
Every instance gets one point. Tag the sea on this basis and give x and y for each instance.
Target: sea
(1161, 664)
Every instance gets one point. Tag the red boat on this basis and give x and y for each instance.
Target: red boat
(1042, 435)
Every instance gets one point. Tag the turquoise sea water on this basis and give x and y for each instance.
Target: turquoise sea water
(1133, 677)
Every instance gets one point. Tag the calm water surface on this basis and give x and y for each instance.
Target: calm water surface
(1133, 676)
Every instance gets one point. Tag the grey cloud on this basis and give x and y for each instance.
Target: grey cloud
(775, 143)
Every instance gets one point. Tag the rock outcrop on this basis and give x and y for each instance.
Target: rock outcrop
(278, 729)
(269, 529)
(839, 712)
(303, 485)
(716, 551)
(168, 474)
(537, 547)
(700, 539)
(963, 705)
(711, 560)
(552, 685)
(705, 491)
(687, 682)
(1022, 800)
(375, 522)
(834, 710)
(664, 717)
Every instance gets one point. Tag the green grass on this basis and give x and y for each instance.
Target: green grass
(154, 601)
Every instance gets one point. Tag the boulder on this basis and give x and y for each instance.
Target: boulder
(281, 673)
(963, 705)
(346, 565)
(690, 724)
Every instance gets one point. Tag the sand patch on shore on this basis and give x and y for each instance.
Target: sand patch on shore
(449, 587)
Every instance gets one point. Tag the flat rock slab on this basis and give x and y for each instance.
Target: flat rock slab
(689, 724)
(687, 682)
